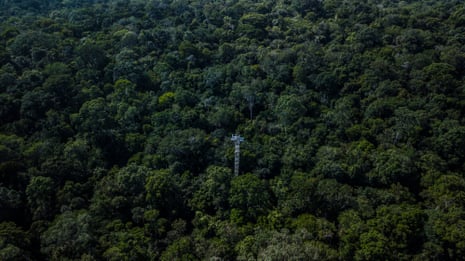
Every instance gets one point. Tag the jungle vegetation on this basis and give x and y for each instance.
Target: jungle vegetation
(116, 118)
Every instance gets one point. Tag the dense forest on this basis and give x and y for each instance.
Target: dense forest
(116, 120)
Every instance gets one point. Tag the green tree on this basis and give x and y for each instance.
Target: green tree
(181, 249)
(213, 193)
(444, 230)
(393, 165)
(298, 196)
(69, 237)
(402, 226)
(274, 245)
(289, 109)
(14, 242)
(249, 195)
(446, 192)
(253, 25)
(333, 197)
(185, 149)
(123, 242)
(40, 196)
(318, 229)
(373, 246)
(163, 193)
(121, 193)
(350, 227)
(447, 142)
(92, 55)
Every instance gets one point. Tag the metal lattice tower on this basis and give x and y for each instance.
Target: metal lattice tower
(237, 152)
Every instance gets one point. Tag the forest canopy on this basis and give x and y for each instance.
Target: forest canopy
(116, 118)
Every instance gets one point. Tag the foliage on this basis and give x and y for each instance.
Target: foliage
(116, 116)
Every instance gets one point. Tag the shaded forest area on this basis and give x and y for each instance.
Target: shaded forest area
(116, 118)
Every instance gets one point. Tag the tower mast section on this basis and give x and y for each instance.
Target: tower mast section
(237, 152)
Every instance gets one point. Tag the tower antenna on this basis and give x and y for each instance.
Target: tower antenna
(237, 152)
